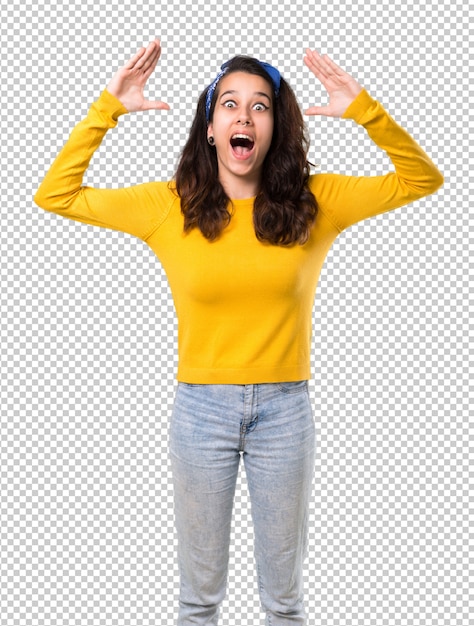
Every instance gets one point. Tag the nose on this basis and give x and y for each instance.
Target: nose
(244, 118)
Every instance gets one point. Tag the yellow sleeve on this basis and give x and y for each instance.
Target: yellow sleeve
(346, 200)
(137, 210)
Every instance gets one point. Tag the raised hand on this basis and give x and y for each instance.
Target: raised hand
(129, 82)
(341, 87)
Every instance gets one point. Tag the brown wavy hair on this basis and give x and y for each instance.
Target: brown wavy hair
(284, 208)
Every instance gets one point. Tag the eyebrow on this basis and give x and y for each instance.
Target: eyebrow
(234, 91)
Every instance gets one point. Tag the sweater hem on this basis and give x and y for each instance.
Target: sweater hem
(246, 376)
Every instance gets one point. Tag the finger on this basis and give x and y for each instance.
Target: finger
(131, 62)
(315, 62)
(149, 71)
(318, 111)
(325, 66)
(315, 57)
(144, 59)
(311, 58)
(332, 66)
(152, 61)
(149, 105)
(142, 56)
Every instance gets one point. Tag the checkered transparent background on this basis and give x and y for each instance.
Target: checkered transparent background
(88, 331)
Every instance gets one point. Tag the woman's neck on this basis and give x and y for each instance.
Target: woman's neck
(240, 187)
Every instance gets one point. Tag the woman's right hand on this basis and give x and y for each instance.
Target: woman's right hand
(129, 82)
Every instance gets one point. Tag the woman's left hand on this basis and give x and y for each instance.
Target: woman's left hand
(341, 87)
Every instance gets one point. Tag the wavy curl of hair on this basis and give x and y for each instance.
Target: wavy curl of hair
(284, 208)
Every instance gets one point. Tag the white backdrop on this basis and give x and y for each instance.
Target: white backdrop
(88, 333)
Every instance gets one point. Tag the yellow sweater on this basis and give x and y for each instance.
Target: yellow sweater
(244, 307)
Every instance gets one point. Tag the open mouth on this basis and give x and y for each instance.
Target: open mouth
(242, 145)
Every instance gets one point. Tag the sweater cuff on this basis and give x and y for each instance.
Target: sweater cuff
(110, 106)
(360, 107)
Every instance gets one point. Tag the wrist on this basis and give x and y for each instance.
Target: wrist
(114, 106)
(359, 106)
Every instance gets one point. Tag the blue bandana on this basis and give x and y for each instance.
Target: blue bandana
(270, 70)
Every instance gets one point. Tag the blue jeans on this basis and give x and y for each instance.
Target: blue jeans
(271, 426)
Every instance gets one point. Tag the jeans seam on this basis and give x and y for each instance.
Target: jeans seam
(294, 390)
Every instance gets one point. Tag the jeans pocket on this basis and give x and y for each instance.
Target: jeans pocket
(293, 387)
(191, 385)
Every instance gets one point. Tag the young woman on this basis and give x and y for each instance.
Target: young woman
(242, 233)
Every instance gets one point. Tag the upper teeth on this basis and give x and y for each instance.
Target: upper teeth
(239, 136)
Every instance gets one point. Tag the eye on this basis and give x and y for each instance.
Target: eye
(229, 104)
(260, 106)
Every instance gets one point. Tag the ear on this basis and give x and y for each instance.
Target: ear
(209, 130)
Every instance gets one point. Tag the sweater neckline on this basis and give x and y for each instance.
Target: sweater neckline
(243, 203)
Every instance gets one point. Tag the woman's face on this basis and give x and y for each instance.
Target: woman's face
(242, 127)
